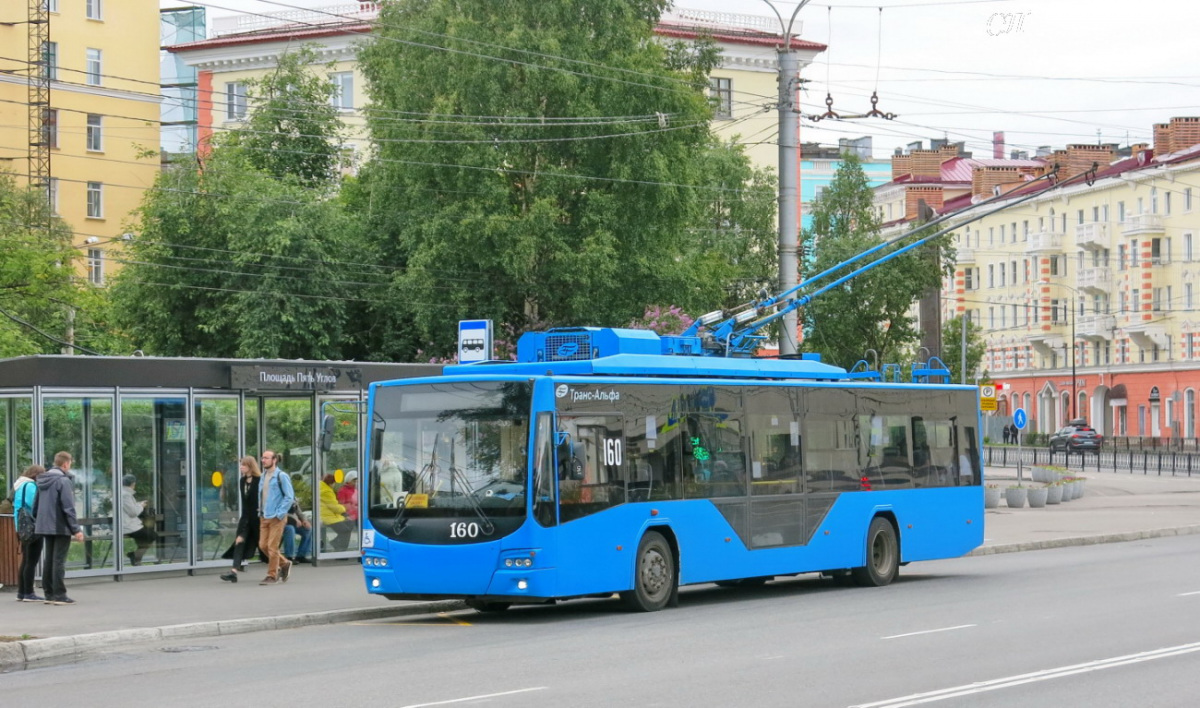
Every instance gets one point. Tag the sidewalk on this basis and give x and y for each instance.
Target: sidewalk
(1116, 507)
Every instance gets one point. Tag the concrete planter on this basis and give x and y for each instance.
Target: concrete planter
(1015, 497)
(991, 497)
(1054, 494)
(1037, 497)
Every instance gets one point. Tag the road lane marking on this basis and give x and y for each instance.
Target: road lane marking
(1011, 681)
(929, 631)
(1185, 594)
(476, 698)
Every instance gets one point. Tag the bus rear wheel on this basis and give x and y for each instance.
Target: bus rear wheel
(883, 555)
(654, 575)
(487, 606)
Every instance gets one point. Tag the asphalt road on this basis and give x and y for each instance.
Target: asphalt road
(1096, 626)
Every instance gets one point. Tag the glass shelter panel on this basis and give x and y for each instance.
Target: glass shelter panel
(287, 429)
(83, 426)
(16, 439)
(339, 481)
(216, 477)
(155, 519)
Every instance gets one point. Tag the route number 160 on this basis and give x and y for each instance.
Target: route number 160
(464, 529)
(612, 451)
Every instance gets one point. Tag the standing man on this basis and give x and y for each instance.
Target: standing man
(56, 525)
(276, 497)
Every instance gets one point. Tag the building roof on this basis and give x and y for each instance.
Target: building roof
(676, 28)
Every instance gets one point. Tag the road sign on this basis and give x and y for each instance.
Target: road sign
(1020, 419)
(474, 341)
(987, 397)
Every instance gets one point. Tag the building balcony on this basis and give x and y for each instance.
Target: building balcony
(966, 256)
(1142, 224)
(1097, 327)
(1046, 343)
(1044, 241)
(1148, 336)
(1094, 236)
(1098, 280)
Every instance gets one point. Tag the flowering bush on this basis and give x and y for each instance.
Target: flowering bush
(671, 320)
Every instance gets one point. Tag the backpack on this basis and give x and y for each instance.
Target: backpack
(25, 519)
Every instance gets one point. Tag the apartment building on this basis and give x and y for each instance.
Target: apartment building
(101, 62)
(247, 46)
(1086, 292)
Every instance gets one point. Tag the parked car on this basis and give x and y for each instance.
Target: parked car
(1076, 436)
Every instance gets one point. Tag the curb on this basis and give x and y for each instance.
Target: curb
(1084, 540)
(21, 653)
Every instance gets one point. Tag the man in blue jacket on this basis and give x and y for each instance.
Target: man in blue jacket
(56, 525)
(275, 500)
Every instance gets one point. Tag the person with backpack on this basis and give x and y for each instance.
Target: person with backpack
(25, 499)
(57, 526)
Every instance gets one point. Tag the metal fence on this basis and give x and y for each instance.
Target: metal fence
(1147, 461)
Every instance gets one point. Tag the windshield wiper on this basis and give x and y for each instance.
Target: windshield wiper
(429, 475)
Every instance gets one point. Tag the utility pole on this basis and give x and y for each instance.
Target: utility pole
(789, 122)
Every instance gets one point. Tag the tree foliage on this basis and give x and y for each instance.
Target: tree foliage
(952, 348)
(873, 309)
(40, 297)
(571, 181)
(244, 253)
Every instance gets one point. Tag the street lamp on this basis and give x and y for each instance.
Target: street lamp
(1071, 317)
(789, 124)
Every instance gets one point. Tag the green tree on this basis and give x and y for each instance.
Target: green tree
(871, 310)
(40, 297)
(247, 252)
(548, 162)
(952, 348)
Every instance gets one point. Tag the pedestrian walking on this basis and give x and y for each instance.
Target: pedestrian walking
(245, 543)
(25, 497)
(276, 497)
(57, 526)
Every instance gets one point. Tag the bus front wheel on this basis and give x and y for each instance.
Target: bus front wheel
(654, 575)
(883, 555)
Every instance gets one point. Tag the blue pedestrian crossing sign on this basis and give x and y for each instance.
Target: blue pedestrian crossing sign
(1020, 419)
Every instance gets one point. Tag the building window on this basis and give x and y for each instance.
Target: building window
(970, 278)
(721, 93)
(235, 100)
(1187, 247)
(991, 276)
(1166, 203)
(50, 60)
(95, 266)
(1133, 254)
(1156, 255)
(1187, 296)
(1002, 270)
(95, 141)
(93, 67)
(1121, 211)
(1104, 213)
(343, 90)
(50, 127)
(50, 5)
(95, 200)
(53, 195)
(94, 10)
(1187, 199)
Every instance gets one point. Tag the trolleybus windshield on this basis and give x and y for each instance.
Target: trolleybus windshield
(450, 451)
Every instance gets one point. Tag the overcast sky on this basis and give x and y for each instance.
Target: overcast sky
(1045, 72)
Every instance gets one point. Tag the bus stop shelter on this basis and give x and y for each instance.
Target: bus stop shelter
(179, 426)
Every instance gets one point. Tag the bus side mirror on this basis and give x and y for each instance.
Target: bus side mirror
(327, 424)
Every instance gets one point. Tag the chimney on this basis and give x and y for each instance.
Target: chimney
(984, 180)
(901, 166)
(1043, 151)
(914, 194)
(1162, 139)
(1019, 155)
(1185, 132)
(926, 163)
(1081, 156)
(998, 144)
(1138, 148)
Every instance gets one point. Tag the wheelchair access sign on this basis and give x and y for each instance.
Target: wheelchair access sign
(987, 397)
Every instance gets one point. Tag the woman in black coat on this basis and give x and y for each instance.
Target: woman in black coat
(246, 543)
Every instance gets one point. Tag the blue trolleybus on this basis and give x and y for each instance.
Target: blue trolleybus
(603, 461)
